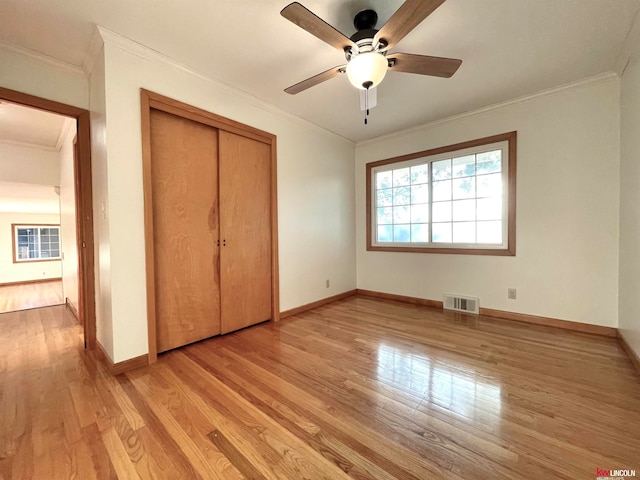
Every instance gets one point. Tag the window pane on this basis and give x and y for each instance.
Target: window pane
(490, 185)
(490, 208)
(383, 179)
(420, 232)
(401, 177)
(419, 213)
(441, 169)
(464, 187)
(464, 232)
(489, 162)
(38, 242)
(441, 212)
(401, 233)
(402, 196)
(385, 216)
(420, 174)
(490, 232)
(384, 197)
(420, 193)
(442, 232)
(464, 210)
(401, 214)
(457, 201)
(442, 190)
(385, 233)
(464, 166)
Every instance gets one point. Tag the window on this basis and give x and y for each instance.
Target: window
(36, 243)
(455, 199)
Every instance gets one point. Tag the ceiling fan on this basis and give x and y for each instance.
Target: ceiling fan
(367, 50)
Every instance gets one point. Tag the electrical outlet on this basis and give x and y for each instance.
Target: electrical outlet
(511, 293)
(327, 284)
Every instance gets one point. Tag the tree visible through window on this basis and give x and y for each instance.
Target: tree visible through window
(456, 199)
(36, 242)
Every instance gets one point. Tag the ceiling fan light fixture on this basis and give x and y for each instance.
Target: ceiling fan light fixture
(366, 70)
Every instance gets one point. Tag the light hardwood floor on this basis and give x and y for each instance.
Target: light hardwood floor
(360, 389)
(30, 295)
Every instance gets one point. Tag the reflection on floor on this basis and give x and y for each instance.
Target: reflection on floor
(30, 295)
(435, 382)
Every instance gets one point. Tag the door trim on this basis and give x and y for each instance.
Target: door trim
(150, 100)
(84, 202)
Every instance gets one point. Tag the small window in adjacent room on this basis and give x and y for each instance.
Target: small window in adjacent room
(36, 243)
(455, 199)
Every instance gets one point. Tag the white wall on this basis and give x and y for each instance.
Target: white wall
(315, 189)
(34, 76)
(630, 204)
(68, 219)
(102, 262)
(24, 164)
(566, 265)
(21, 272)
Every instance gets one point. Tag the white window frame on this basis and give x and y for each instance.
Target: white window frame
(17, 226)
(504, 142)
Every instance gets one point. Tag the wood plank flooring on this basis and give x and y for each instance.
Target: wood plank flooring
(362, 389)
(30, 295)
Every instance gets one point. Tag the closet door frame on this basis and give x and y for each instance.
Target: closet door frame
(150, 100)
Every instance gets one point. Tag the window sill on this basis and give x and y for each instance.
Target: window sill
(499, 252)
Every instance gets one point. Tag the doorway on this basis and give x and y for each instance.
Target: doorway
(83, 202)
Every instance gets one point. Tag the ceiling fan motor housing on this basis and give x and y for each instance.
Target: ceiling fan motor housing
(365, 22)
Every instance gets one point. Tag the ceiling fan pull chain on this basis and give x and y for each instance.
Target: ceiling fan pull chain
(367, 86)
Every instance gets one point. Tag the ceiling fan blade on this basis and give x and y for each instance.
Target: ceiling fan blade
(315, 80)
(313, 24)
(423, 64)
(406, 18)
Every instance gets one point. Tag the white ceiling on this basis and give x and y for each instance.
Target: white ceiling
(31, 127)
(509, 48)
(28, 198)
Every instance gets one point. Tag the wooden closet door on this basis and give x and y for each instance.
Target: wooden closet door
(245, 229)
(184, 172)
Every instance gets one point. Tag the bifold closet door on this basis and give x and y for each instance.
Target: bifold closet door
(184, 172)
(245, 228)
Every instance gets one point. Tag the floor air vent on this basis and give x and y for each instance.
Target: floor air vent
(461, 304)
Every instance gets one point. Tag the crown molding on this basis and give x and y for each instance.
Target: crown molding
(13, 143)
(64, 132)
(630, 46)
(142, 51)
(577, 85)
(93, 52)
(41, 58)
